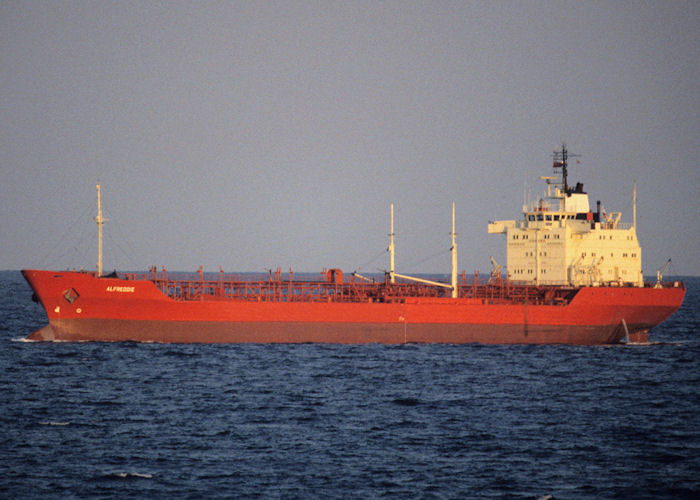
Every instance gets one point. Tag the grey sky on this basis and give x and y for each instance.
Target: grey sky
(251, 135)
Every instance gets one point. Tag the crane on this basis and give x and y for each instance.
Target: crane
(496, 271)
(660, 274)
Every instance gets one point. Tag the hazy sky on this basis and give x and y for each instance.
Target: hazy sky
(257, 134)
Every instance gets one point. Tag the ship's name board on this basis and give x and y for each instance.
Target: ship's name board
(121, 289)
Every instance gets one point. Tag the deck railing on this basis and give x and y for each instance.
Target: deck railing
(308, 288)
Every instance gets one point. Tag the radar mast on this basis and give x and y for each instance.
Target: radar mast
(561, 160)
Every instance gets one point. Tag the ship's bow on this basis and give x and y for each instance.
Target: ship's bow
(38, 281)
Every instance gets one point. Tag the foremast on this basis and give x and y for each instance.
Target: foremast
(453, 251)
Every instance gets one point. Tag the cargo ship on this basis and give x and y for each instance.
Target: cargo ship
(573, 276)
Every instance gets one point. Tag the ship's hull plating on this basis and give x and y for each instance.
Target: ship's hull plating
(113, 330)
(81, 307)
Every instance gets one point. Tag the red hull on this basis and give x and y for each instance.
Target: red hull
(81, 307)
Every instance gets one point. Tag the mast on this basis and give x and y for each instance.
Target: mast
(454, 255)
(561, 160)
(393, 274)
(100, 222)
(392, 268)
(564, 166)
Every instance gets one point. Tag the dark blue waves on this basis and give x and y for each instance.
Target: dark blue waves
(317, 421)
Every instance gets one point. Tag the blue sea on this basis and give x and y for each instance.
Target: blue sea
(97, 420)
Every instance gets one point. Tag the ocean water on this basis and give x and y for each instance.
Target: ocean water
(334, 421)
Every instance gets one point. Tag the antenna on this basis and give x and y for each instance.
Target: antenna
(634, 205)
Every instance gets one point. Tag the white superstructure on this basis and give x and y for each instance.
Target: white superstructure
(561, 241)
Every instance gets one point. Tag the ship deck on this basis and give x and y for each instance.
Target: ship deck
(291, 287)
